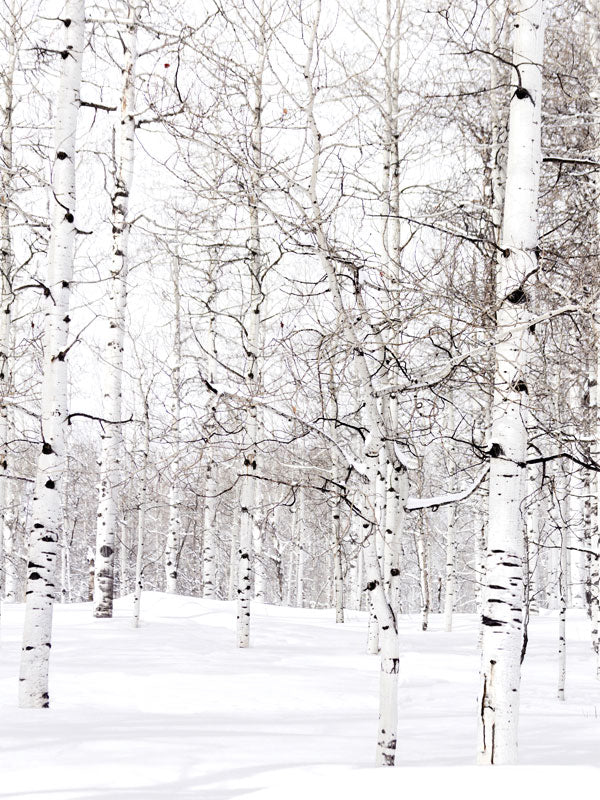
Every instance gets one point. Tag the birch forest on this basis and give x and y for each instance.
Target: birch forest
(299, 419)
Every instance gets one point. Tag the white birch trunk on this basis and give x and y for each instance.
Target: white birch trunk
(91, 570)
(46, 507)
(378, 436)
(260, 575)
(209, 564)
(300, 544)
(141, 518)
(360, 563)
(451, 547)
(252, 374)
(175, 495)
(388, 636)
(233, 561)
(479, 523)
(423, 559)
(6, 294)
(578, 540)
(503, 606)
(8, 533)
(289, 595)
(338, 561)
(562, 611)
(244, 562)
(110, 459)
(394, 523)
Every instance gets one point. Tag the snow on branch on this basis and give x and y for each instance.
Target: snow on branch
(416, 503)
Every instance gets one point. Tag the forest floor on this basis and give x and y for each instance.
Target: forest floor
(173, 711)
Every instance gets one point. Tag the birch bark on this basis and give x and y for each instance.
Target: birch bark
(338, 561)
(451, 543)
(562, 610)
(594, 32)
(209, 565)
(110, 459)
(175, 495)
(209, 530)
(8, 574)
(378, 440)
(252, 374)
(503, 605)
(141, 517)
(46, 506)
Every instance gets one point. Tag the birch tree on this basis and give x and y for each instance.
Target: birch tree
(110, 459)
(46, 507)
(517, 261)
(175, 495)
(7, 270)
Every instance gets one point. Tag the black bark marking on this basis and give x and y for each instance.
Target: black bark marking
(520, 386)
(521, 93)
(491, 623)
(517, 296)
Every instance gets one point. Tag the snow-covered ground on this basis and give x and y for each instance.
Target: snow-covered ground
(173, 710)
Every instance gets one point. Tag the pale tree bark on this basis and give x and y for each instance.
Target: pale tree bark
(110, 459)
(358, 586)
(91, 571)
(378, 440)
(372, 632)
(258, 539)
(480, 537)
(423, 560)
(503, 604)
(64, 541)
(209, 531)
(289, 594)
(372, 500)
(594, 44)
(209, 564)
(338, 559)
(233, 561)
(46, 505)
(394, 525)
(244, 561)
(300, 545)
(562, 592)
(451, 548)
(7, 274)
(172, 553)
(531, 543)
(540, 573)
(141, 516)
(249, 490)
(451, 543)
(579, 541)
